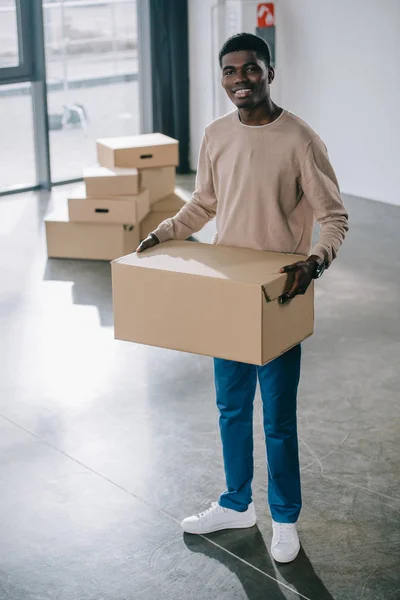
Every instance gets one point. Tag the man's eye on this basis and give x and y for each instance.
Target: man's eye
(251, 68)
(228, 72)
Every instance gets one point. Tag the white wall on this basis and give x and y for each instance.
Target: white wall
(200, 72)
(338, 67)
(340, 71)
(210, 23)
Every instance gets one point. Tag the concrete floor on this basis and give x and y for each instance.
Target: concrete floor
(106, 446)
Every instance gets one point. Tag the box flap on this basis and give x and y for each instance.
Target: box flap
(58, 213)
(97, 171)
(81, 195)
(137, 141)
(220, 262)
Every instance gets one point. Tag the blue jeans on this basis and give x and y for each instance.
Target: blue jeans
(235, 386)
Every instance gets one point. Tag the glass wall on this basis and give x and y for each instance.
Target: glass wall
(9, 53)
(68, 75)
(17, 152)
(92, 78)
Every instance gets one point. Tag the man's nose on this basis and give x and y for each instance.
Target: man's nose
(241, 76)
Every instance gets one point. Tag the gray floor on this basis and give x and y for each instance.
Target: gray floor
(106, 445)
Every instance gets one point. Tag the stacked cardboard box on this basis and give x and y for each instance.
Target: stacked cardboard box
(156, 157)
(125, 197)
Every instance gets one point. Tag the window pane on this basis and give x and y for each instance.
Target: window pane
(17, 164)
(9, 55)
(92, 68)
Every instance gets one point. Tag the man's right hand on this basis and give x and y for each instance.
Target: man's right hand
(149, 242)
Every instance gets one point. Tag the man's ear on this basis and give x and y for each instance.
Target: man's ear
(271, 74)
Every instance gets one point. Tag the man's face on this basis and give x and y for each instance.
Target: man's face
(246, 78)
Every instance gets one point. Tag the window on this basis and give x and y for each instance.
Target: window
(15, 41)
(17, 165)
(9, 51)
(92, 78)
(68, 75)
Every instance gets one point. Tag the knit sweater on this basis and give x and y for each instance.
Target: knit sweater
(265, 185)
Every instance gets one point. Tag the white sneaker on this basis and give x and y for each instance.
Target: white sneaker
(285, 542)
(217, 518)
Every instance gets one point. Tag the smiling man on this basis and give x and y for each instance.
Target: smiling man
(265, 175)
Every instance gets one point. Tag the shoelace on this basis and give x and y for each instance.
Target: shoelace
(285, 533)
(211, 510)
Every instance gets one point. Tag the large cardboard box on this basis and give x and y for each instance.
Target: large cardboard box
(211, 300)
(103, 183)
(139, 151)
(159, 181)
(67, 239)
(126, 210)
(163, 209)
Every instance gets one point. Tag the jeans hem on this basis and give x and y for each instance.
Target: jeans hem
(232, 506)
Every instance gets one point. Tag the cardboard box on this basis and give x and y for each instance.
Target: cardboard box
(67, 239)
(171, 203)
(163, 209)
(211, 300)
(103, 183)
(140, 151)
(127, 210)
(159, 181)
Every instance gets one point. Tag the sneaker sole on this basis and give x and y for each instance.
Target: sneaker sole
(288, 560)
(222, 528)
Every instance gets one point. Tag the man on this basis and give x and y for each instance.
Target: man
(265, 175)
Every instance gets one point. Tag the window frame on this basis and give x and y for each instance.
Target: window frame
(24, 71)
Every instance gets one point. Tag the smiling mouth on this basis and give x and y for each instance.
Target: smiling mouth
(243, 93)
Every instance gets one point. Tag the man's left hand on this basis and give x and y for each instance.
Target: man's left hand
(303, 272)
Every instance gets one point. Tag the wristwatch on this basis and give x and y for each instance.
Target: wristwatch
(320, 267)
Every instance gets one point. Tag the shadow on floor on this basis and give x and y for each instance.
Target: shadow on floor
(301, 575)
(91, 283)
(257, 582)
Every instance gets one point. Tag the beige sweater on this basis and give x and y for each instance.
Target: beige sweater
(265, 185)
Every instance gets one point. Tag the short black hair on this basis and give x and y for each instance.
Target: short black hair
(246, 41)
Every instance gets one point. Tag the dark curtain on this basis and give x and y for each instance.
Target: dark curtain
(170, 73)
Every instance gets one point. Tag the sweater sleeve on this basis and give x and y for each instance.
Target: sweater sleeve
(321, 189)
(199, 210)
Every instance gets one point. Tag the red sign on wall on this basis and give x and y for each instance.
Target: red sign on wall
(265, 14)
